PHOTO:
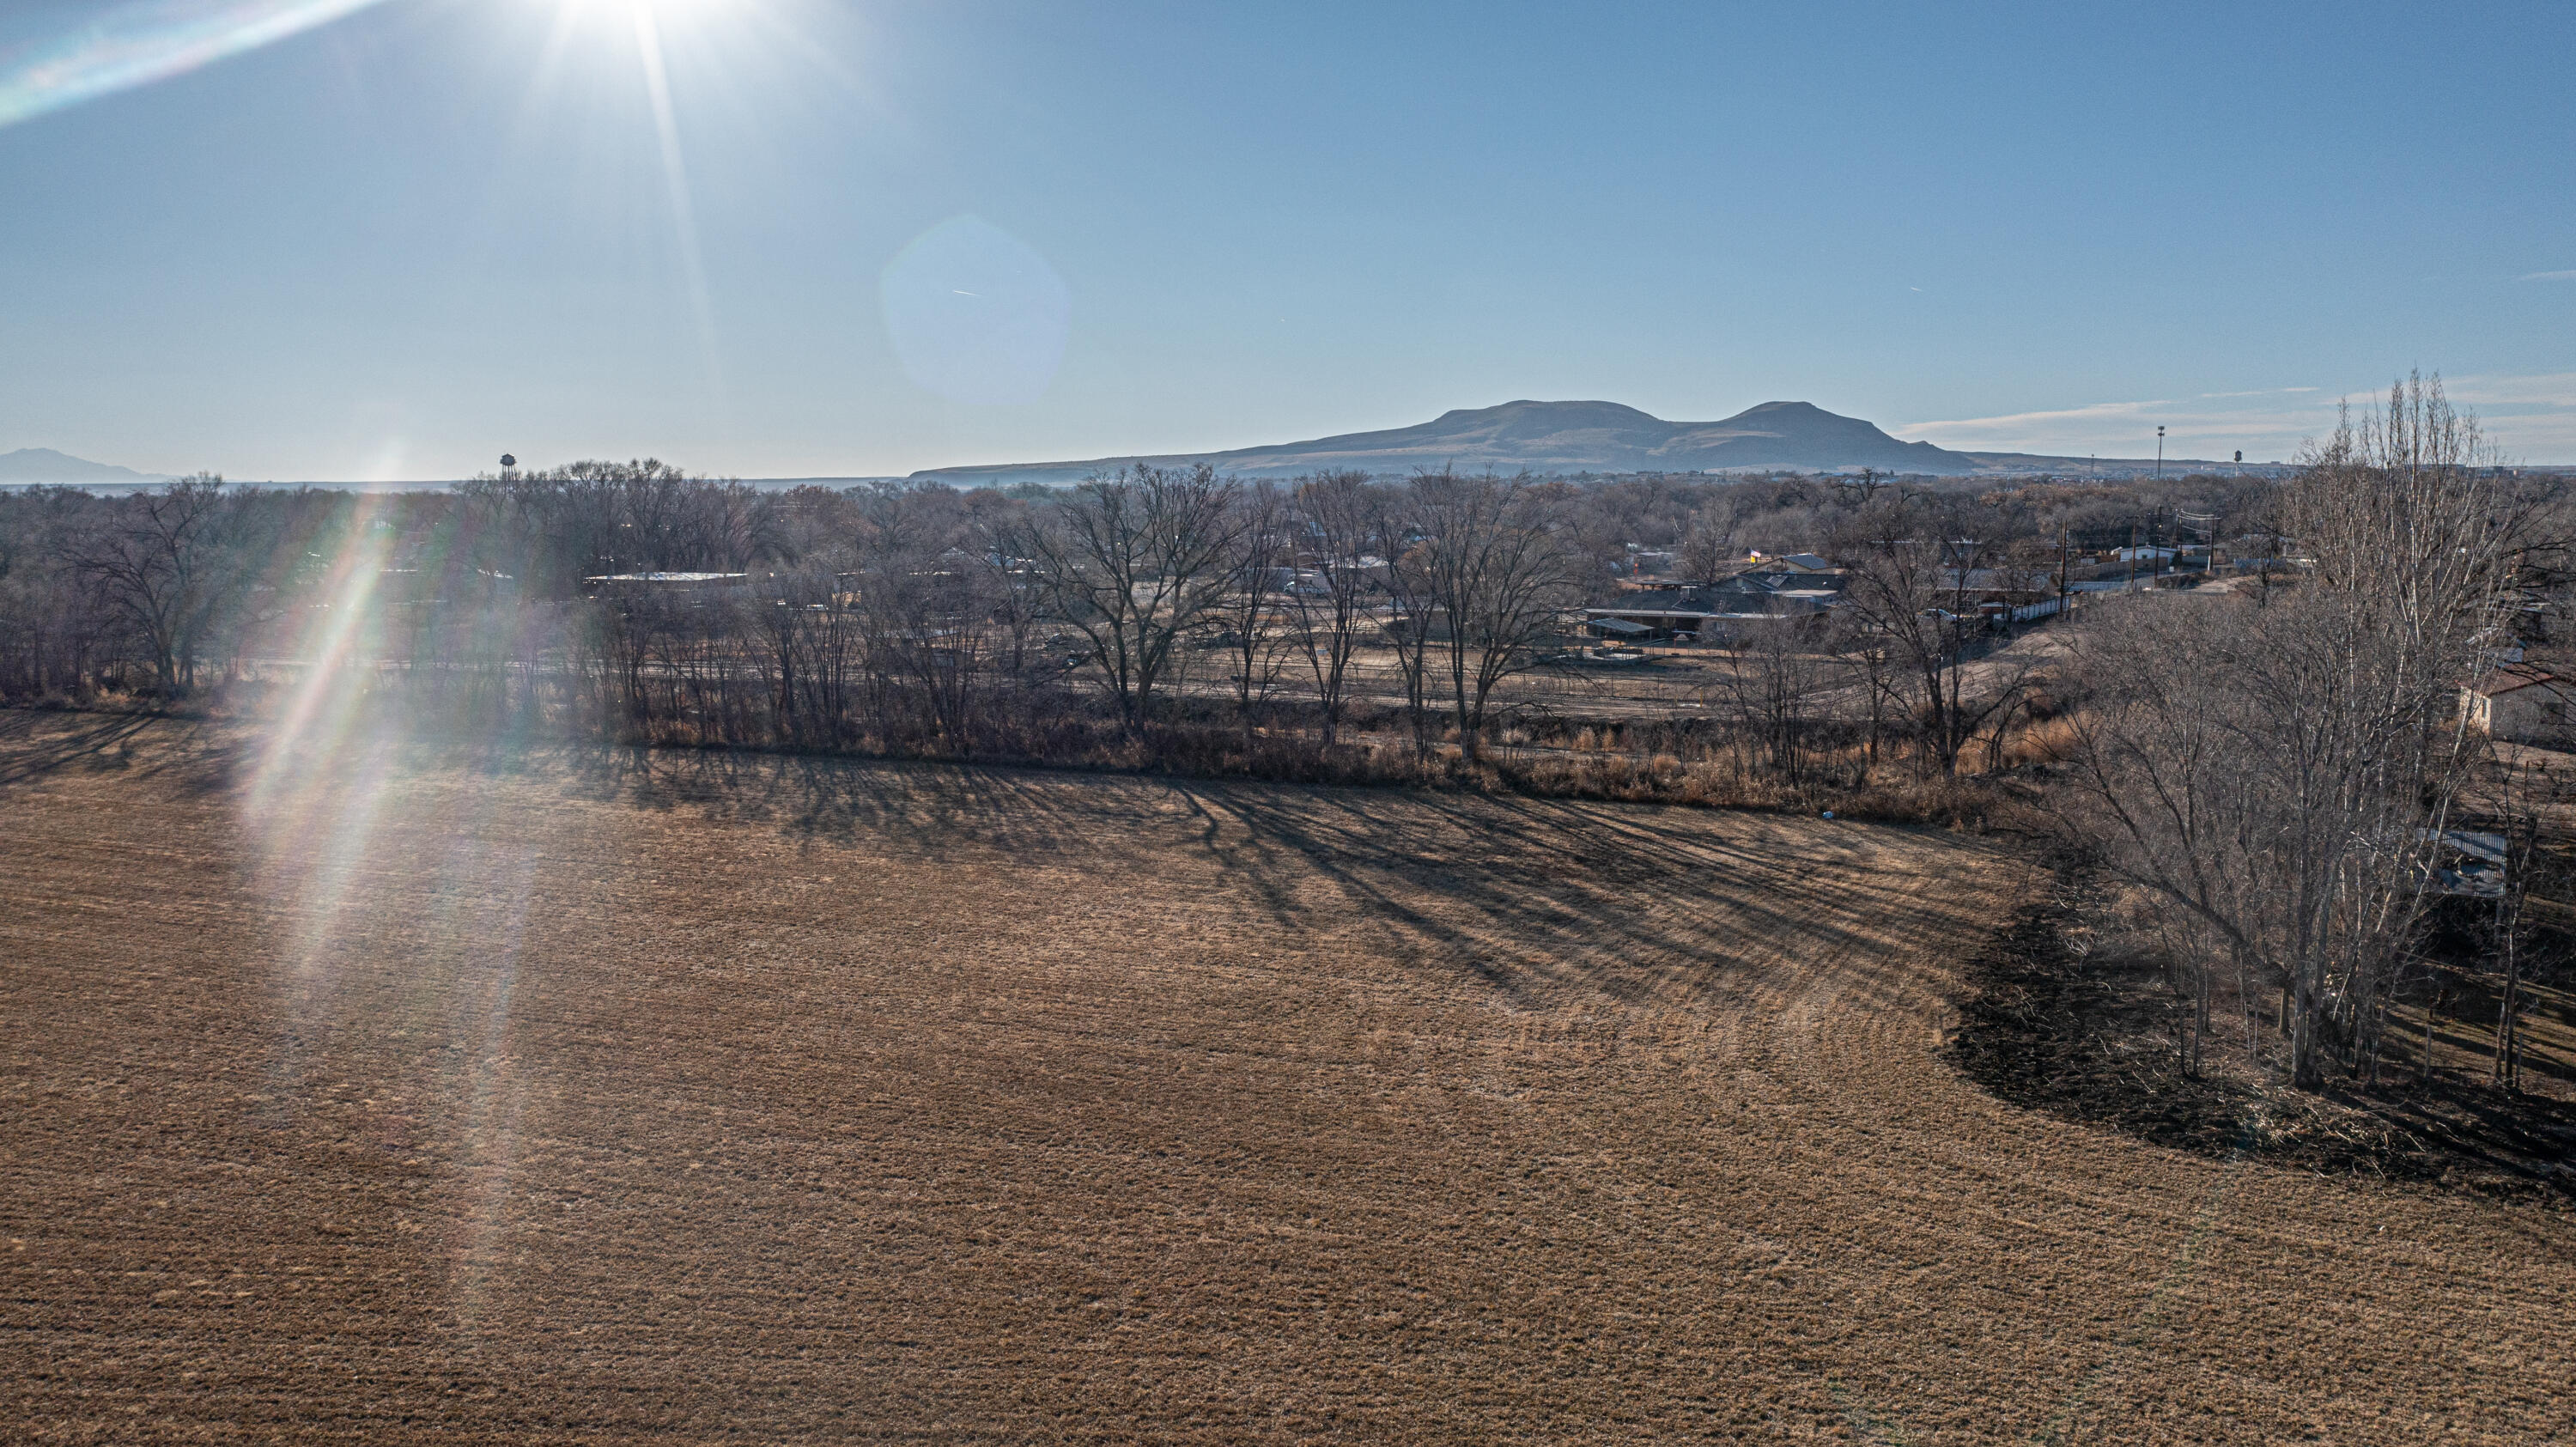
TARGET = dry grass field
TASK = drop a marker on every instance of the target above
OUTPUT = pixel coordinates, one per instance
(378, 1095)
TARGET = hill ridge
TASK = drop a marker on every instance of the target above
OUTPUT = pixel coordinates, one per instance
(44, 464)
(1527, 434)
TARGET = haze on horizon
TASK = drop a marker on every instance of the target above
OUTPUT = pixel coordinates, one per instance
(345, 240)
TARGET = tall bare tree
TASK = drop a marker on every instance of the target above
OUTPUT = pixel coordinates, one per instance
(1134, 562)
(1332, 511)
(1502, 579)
(1916, 568)
(1414, 619)
(2277, 772)
(158, 563)
(1262, 550)
(1714, 537)
(1770, 682)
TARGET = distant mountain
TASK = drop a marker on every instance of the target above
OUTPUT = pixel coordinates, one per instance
(1563, 437)
(44, 464)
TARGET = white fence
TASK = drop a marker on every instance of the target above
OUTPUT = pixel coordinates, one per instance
(2043, 608)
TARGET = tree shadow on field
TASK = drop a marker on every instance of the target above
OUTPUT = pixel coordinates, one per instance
(2085, 1039)
(1530, 897)
(1533, 897)
(913, 809)
(36, 743)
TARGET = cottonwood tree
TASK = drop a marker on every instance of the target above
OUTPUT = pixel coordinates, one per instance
(941, 646)
(50, 636)
(1495, 566)
(1713, 539)
(2522, 791)
(1333, 511)
(1263, 547)
(1134, 562)
(1414, 619)
(808, 647)
(555, 528)
(1858, 493)
(157, 562)
(1915, 569)
(2275, 771)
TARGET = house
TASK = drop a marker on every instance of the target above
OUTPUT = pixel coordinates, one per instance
(1821, 589)
(2012, 587)
(1618, 629)
(1711, 613)
(1789, 563)
(2522, 704)
(634, 582)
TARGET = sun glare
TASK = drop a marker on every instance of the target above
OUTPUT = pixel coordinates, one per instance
(653, 10)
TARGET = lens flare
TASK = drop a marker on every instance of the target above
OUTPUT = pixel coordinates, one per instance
(135, 45)
(976, 314)
(332, 769)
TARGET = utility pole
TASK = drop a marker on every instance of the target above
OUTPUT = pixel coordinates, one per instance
(2061, 565)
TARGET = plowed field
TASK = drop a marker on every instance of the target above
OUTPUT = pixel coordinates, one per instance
(390, 1098)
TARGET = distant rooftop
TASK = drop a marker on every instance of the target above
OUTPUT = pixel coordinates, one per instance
(665, 577)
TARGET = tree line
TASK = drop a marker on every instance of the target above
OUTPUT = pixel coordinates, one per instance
(907, 617)
(926, 619)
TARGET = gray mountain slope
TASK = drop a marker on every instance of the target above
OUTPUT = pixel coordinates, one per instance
(44, 464)
(1548, 437)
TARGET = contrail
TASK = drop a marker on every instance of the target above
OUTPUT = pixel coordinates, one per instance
(137, 44)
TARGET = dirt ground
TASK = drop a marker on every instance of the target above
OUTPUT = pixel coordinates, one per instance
(369, 1094)
(2076, 1014)
(1676, 682)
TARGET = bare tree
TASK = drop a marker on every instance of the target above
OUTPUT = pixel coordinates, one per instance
(1857, 493)
(157, 563)
(2522, 788)
(1134, 562)
(50, 635)
(1414, 620)
(1914, 580)
(2278, 772)
(1501, 578)
(1769, 682)
(1261, 551)
(1712, 541)
(1329, 605)
(807, 643)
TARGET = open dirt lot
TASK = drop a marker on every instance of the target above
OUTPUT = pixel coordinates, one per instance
(380, 1096)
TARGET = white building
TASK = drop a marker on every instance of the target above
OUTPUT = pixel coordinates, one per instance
(2522, 705)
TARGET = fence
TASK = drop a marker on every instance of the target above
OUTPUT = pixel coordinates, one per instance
(2043, 608)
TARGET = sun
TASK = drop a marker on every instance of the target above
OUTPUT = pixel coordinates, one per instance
(651, 11)
(648, 24)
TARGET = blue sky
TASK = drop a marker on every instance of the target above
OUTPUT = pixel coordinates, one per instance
(395, 239)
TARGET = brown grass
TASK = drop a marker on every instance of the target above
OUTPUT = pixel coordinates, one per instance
(752, 1098)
